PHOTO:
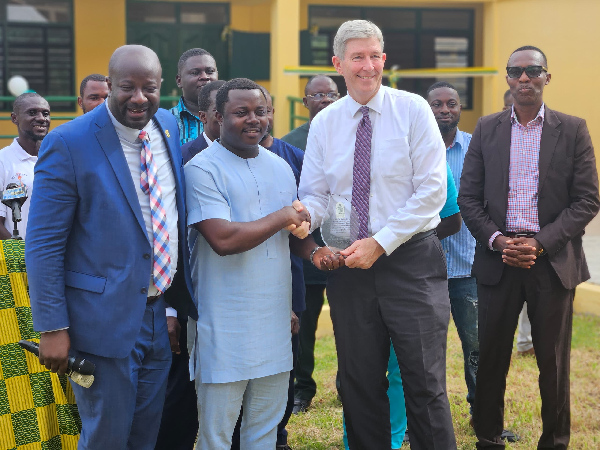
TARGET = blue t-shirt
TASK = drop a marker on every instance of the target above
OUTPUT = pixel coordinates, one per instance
(451, 206)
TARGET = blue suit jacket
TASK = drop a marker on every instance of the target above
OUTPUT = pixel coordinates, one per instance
(191, 149)
(87, 251)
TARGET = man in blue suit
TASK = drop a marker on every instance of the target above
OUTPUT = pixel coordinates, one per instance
(106, 239)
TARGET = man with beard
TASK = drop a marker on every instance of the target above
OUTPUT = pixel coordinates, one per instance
(243, 203)
(93, 91)
(294, 157)
(460, 247)
(320, 92)
(528, 189)
(195, 69)
(106, 239)
(31, 115)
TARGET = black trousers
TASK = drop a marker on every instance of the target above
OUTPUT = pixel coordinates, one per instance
(179, 424)
(403, 297)
(306, 387)
(281, 431)
(550, 311)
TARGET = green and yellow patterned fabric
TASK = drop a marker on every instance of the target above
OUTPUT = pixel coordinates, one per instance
(37, 407)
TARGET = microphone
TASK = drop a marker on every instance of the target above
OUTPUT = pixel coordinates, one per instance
(14, 196)
(80, 370)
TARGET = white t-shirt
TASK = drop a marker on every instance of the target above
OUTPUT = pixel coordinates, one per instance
(16, 166)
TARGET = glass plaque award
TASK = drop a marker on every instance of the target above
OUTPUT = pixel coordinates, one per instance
(339, 228)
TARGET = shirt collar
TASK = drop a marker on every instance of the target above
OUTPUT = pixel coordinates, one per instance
(20, 151)
(376, 103)
(131, 135)
(458, 139)
(539, 117)
(181, 108)
(206, 138)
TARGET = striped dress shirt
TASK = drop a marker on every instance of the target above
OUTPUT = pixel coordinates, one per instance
(460, 247)
(523, 176)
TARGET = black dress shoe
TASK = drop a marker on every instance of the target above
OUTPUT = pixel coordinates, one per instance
(509, 436)
(406, 436)
(283, 447)
(300, 406)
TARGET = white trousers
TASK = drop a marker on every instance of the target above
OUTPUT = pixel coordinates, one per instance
(524, 340)
(264, 401)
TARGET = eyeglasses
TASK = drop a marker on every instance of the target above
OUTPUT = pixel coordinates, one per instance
(320, 96)
(530, 71)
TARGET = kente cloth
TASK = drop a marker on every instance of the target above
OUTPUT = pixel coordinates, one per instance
(37, 407)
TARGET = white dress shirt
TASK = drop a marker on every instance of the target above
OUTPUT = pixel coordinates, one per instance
(132, 148)
(16, 166)
(206, 138)
(408, 164)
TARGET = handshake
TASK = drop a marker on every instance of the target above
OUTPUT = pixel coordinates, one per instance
(298, 219)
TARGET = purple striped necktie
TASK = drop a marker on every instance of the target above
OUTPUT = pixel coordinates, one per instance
(361, 181)
(161, 269)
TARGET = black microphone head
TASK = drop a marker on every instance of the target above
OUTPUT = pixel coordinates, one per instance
(82, 366)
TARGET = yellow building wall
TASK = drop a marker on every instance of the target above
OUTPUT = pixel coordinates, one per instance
(568, 34)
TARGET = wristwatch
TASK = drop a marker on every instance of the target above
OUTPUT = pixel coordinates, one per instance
(312, 254)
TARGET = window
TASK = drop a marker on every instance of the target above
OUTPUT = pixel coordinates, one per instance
(413, 37)
(37, 43)
(176, 27)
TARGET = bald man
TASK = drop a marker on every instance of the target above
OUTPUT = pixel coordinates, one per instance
(106, 250)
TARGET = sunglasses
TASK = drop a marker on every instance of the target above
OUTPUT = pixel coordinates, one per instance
(321, 96)
(530, 71)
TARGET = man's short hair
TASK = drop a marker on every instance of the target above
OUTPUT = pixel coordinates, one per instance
(440, 84)
(314, 77)
(535, 49)
(19, 102)
(354, 29)
(92, 77)
(189, 54)
(233, 85)
(204, 96)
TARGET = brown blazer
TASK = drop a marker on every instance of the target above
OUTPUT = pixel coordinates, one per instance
(568, 192)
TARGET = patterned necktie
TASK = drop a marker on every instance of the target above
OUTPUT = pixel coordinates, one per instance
(361, 181)
(161, 270)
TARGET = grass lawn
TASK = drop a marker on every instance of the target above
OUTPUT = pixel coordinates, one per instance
(321, 427)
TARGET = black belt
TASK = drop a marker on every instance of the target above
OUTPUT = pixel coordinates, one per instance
(421, 235)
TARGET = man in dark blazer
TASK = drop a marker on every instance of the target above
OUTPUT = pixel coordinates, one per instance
(207, 104)
(106, 246)
(528, 189)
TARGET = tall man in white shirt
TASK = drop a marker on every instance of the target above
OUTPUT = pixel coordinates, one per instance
(31, 115)
(383, 148)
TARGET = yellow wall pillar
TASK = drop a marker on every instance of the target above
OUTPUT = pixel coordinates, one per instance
(98, 30)
(491, 87)
(285, 51)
